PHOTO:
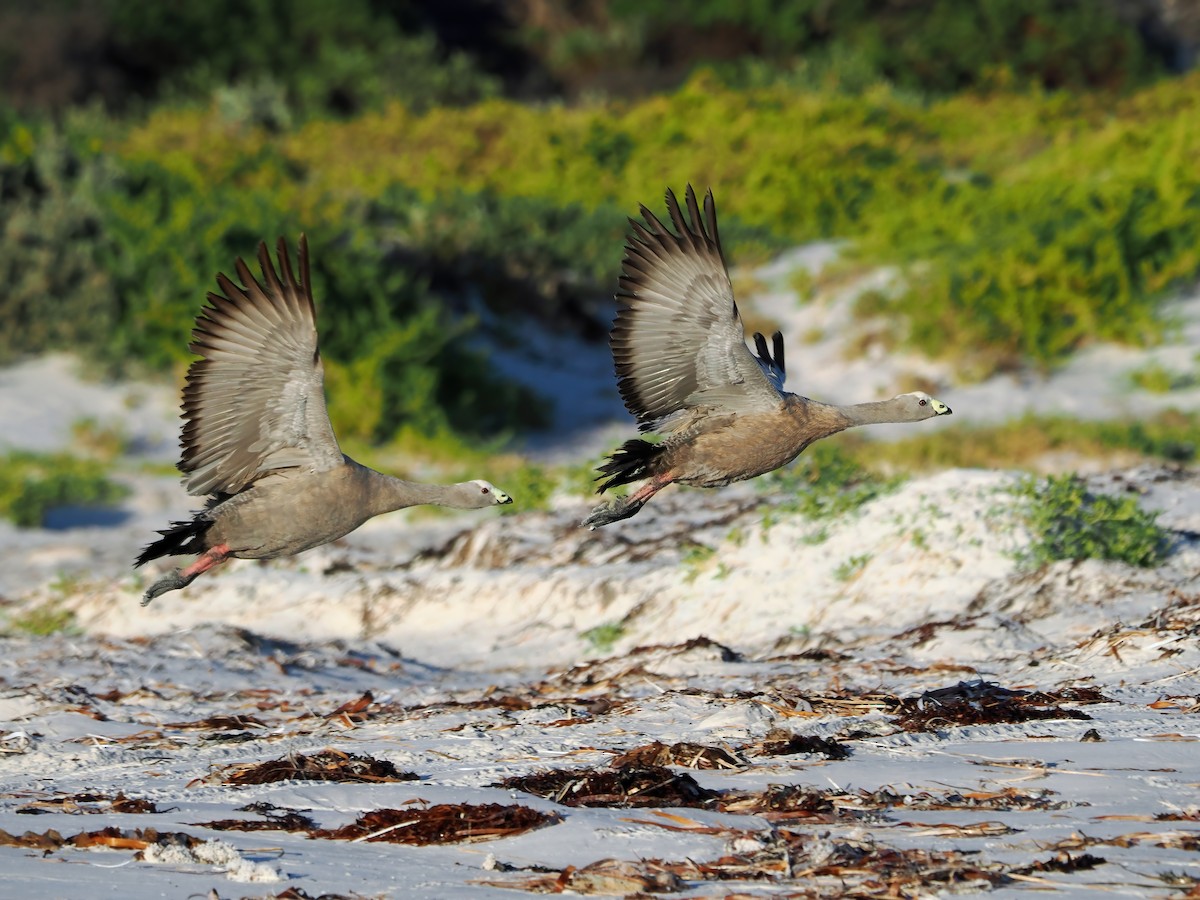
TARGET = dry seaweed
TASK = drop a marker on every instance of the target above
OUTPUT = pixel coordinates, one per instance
(328, 765)
(782, 742)
(287, 821)
(684, 753)
(219, 723)
(606, 877)
(978, 703)
(446, 823)
(629, 787)
(84, 803)
(113, 838)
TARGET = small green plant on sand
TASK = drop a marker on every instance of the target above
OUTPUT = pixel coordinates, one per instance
(695, 558)
(851, 567)
(826, 482)
(603, 637)
(1158, 379)
(1068, 521)
(48, 617)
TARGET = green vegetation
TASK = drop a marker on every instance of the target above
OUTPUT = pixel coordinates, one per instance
(1159, 380)
(824, 483)
(1070, 522)
(1032, 223)
(32, 484)
(983, 149)
(1172, 435)
(49, 617)
(604, 637)
(851, 567)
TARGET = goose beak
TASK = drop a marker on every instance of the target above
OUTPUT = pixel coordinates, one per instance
(503, 498)
(940, 408)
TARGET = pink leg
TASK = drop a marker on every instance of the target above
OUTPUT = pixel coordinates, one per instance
(623, 509)
(205, 561)
(177, 578)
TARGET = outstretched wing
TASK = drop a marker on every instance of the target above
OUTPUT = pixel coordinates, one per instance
(678, 342)
(255, 402)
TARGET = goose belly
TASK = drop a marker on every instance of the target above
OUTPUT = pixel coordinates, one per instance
(270, 523)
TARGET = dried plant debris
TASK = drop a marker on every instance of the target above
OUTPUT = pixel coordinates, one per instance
(684, 753)
(111, 838)
(328, 765)
(276, 820)
(782, 742)
(827, 867)
(786, 802)
(220, 723)
(978, 703)
(625, 788)
(1062, 862)
(79, 804)
(445, 823)
(607, 877)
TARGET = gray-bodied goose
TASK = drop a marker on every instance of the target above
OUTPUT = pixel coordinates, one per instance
(684, 370)
(257, 440)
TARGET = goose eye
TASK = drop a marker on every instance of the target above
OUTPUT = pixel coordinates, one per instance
(488, 490)
(922, 402)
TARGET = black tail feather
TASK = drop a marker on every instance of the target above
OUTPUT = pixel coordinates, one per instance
(629, 462)
(179, 539)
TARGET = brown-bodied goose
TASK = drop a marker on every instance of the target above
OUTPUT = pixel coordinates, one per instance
(257, 440)
(684, 370)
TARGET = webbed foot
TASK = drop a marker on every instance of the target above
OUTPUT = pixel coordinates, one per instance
(172, 581)
(612, 512)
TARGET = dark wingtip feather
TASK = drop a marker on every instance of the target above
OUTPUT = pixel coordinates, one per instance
(760, 345)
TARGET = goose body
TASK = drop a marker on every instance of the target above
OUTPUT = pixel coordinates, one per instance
(685, 372)
(257, 440)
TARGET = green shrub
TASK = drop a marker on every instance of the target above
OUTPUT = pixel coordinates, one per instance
(1159, 380)
(1067, 521)
(327, 58)
(33, 484)
(57, 294)
(49, 617)
(1024, 224)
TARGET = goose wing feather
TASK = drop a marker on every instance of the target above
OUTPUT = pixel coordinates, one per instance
(678, 342)
(255, 401)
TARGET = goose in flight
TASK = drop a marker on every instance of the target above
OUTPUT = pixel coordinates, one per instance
(257, 441)
(685, 372)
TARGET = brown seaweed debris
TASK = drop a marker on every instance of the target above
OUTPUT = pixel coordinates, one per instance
(977, 703)
(328, 765)
(608, 877)
(112, 838)
(632, 786)
(445, 823)
(76, 804)
(782, 742)
(284, 821)
(684, 753)
(219, 723)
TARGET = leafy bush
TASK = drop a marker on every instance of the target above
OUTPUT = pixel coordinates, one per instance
(1025, 225)
(338, 58)
(1070, 522)
(32, 484)
(56, 291)
(929, 45)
